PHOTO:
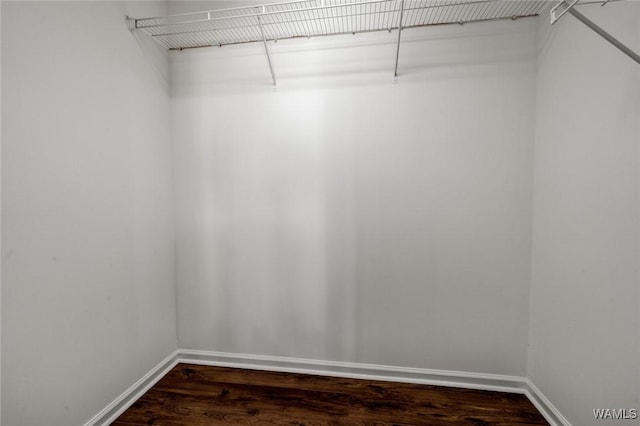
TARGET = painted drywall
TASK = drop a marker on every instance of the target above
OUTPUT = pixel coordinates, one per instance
(88, 301)
(340, 216)
(585, 320)
(0, 217)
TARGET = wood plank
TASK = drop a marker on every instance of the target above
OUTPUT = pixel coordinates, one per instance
(198, 395)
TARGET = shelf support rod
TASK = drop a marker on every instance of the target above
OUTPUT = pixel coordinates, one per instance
(589, 23)
(266, 50)
(611, 39)
(395, 71)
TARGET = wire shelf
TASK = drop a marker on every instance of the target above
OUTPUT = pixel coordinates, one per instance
(313, 18)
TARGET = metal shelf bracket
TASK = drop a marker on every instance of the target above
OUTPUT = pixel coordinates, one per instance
(395, 71)
(560, 9)
(266, 50)
(563, 7)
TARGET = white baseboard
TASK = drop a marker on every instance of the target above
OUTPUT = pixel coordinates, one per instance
(459, 379)
(131, 395)
(542, 403)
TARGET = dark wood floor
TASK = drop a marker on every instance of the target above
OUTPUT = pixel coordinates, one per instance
(197, 395)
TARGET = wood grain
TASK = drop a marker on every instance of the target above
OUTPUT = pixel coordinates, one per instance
(198, 395)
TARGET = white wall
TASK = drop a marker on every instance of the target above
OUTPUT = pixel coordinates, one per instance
(87, 246)
(337, 217)
(585, 320)
(0, 215)
(343, 217)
